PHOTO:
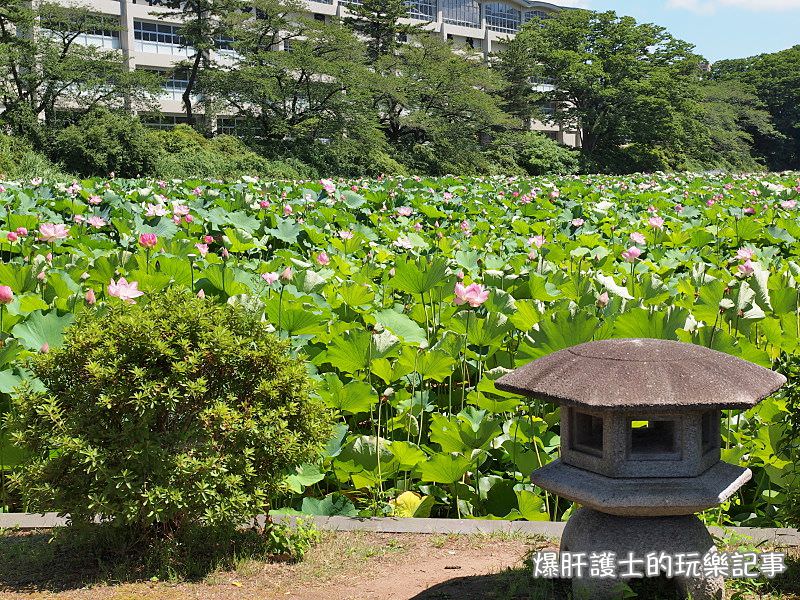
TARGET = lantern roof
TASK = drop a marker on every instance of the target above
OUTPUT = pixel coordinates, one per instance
(623, 374)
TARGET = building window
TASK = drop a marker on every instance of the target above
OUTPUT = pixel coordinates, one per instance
(422, 10)
(106, 35)
(160, 38)
(174, 83)
(587, 433)
(355, 2)
(652, 437)
(464, 13)
(534, 14)
(319, 17)
(502, 17)
(224, 44)
(163, 121)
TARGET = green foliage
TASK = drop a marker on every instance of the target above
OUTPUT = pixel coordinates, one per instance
(183, 153)
(160, 416)
(776, 80)
(532, 153)
(18, 160)
(104, 142)
(45, 73)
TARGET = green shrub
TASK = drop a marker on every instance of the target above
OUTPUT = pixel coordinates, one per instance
(164, 415)
(533, 154)
(18, 160)
(103, 142)
(183, 154)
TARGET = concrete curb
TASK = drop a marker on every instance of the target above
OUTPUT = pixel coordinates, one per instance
(754, 535)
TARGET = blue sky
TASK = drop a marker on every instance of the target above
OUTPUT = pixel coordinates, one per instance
(718, 28)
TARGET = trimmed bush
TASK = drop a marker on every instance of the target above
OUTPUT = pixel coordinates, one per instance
(162, 416)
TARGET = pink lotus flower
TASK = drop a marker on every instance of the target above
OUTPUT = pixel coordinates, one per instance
(323, 258)
(22, 232)
(474, 294)
(176, 219)
(328, 186)
(155, 210)
(602, 300)
(404, 211)
(747, 268)
(12, 236)
(417, 226)
(287, 274)
(124, 291)
(97, 222)
(201, 294)
(537, 240)
(656, 222)
(788, 204)
(95, 200)
(577, 222)
(637, 238)
(744, 254)
(555, 194)
(78, 219)
(208, 239)
(148, 240)
(197, 191)
(224, 253)
(465, 226)
(287, 210)
(679, 208)
(264, 204)
(202, 249)
(188, 218)
(44, 348)
(631, 254)
(51, 232)
(179, 210)
(346, 235)
(36, 181)
(270, 278)
(90, 297)
(6, 294)
(749, 210)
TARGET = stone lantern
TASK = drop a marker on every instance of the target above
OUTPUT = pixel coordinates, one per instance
(640, 446)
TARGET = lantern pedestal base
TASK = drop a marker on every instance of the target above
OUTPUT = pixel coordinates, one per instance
(589, 531)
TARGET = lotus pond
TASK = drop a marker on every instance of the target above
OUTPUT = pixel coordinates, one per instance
(410, 296)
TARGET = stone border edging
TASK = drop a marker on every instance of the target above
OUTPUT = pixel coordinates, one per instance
(776, 536)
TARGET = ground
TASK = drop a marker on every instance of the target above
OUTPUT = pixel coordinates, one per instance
(343, 566)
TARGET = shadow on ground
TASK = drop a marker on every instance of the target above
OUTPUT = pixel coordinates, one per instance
(31, 563)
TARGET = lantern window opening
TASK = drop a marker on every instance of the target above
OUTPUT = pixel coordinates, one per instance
(650, 437)
(587, 433)
(710, 431)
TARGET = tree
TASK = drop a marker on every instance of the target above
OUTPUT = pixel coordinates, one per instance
(203, 30)
(447, 106)
(44, 66)
(619, 83)
(733, 118)
(776, 80)
(379, 21)
(310, 93)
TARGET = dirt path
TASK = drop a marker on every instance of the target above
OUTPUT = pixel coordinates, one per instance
(344, 566)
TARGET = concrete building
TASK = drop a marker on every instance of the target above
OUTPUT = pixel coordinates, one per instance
(152, 42)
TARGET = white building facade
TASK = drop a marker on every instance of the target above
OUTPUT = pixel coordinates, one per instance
(151, 42)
